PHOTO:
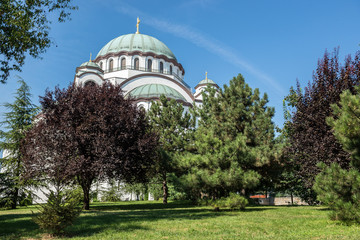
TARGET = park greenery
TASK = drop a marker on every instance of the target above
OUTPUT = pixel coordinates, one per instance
(183, 220)
(310, 139)
(17, 121)
(24, 28)
(175, 130)
(337, 187)
(88, 133)
(217, 154)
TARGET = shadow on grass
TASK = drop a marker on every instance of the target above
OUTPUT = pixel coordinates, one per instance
(139, 205)
(16, 226)
(325, 209)
(114, 217)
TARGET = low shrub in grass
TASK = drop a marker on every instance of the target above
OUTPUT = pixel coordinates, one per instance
(111, 195)
(340, 190)
(60, 211)
(233, 201)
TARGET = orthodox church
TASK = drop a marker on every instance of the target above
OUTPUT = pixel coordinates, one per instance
(144, 67)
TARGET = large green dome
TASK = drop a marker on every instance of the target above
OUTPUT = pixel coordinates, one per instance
(155, 90)
(136, 42)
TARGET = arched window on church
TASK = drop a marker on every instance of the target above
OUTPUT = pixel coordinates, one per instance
(161, 67)
(149, 65)
(89, 84)
(123, 63)
(111, 65)
(170, 69)
(101, 65)
(136, 64)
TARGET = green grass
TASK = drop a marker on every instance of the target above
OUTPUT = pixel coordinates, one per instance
(179, 220)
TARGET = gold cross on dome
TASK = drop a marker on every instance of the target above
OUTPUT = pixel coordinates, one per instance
(137, 26)
(206, 75)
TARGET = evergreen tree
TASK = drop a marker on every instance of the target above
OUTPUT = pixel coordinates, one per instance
(17, 121)
(233, 143)
(346, 124)
(336, 187)
(174, 127)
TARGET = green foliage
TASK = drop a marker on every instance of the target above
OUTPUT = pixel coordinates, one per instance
(181, 220)
(233, 201)
(340, 190)
(310, 139)
(24, 27)
(346, 124)
(175, 128)
(155, 189)
(139, 189)
(17, 121)
(113, 194)
(60, 211)
(234, 142)
(6, 190)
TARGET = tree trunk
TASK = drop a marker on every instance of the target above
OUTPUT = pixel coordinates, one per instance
(15, 198)
(86, 205)
(292, 198)
(243, 192)
(165, 189)
(85, 184)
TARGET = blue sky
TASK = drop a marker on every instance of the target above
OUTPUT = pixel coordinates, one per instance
(271, 43)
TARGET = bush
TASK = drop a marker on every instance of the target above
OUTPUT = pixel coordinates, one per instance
(111, 195)
(60, 211)
(234, 202)
(339, 189)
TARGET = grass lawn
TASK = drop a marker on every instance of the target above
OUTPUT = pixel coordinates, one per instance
(179, 220)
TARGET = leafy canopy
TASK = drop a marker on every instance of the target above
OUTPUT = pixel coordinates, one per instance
(24, 29)
(89, 133)
(311, 139)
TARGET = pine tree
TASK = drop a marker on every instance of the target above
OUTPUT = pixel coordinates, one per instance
(174, 128)
(233, 142)
(337, 187)
(17, 121)
(346, 125)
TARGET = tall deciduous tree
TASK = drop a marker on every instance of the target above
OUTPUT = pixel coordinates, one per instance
(311, 139)
(17, 121)
(89, 133)
(233, 142)
(24, 29)
(174, 127)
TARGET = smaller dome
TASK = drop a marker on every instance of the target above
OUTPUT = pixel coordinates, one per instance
(155, 90)
(206, 81)
(89, 64)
